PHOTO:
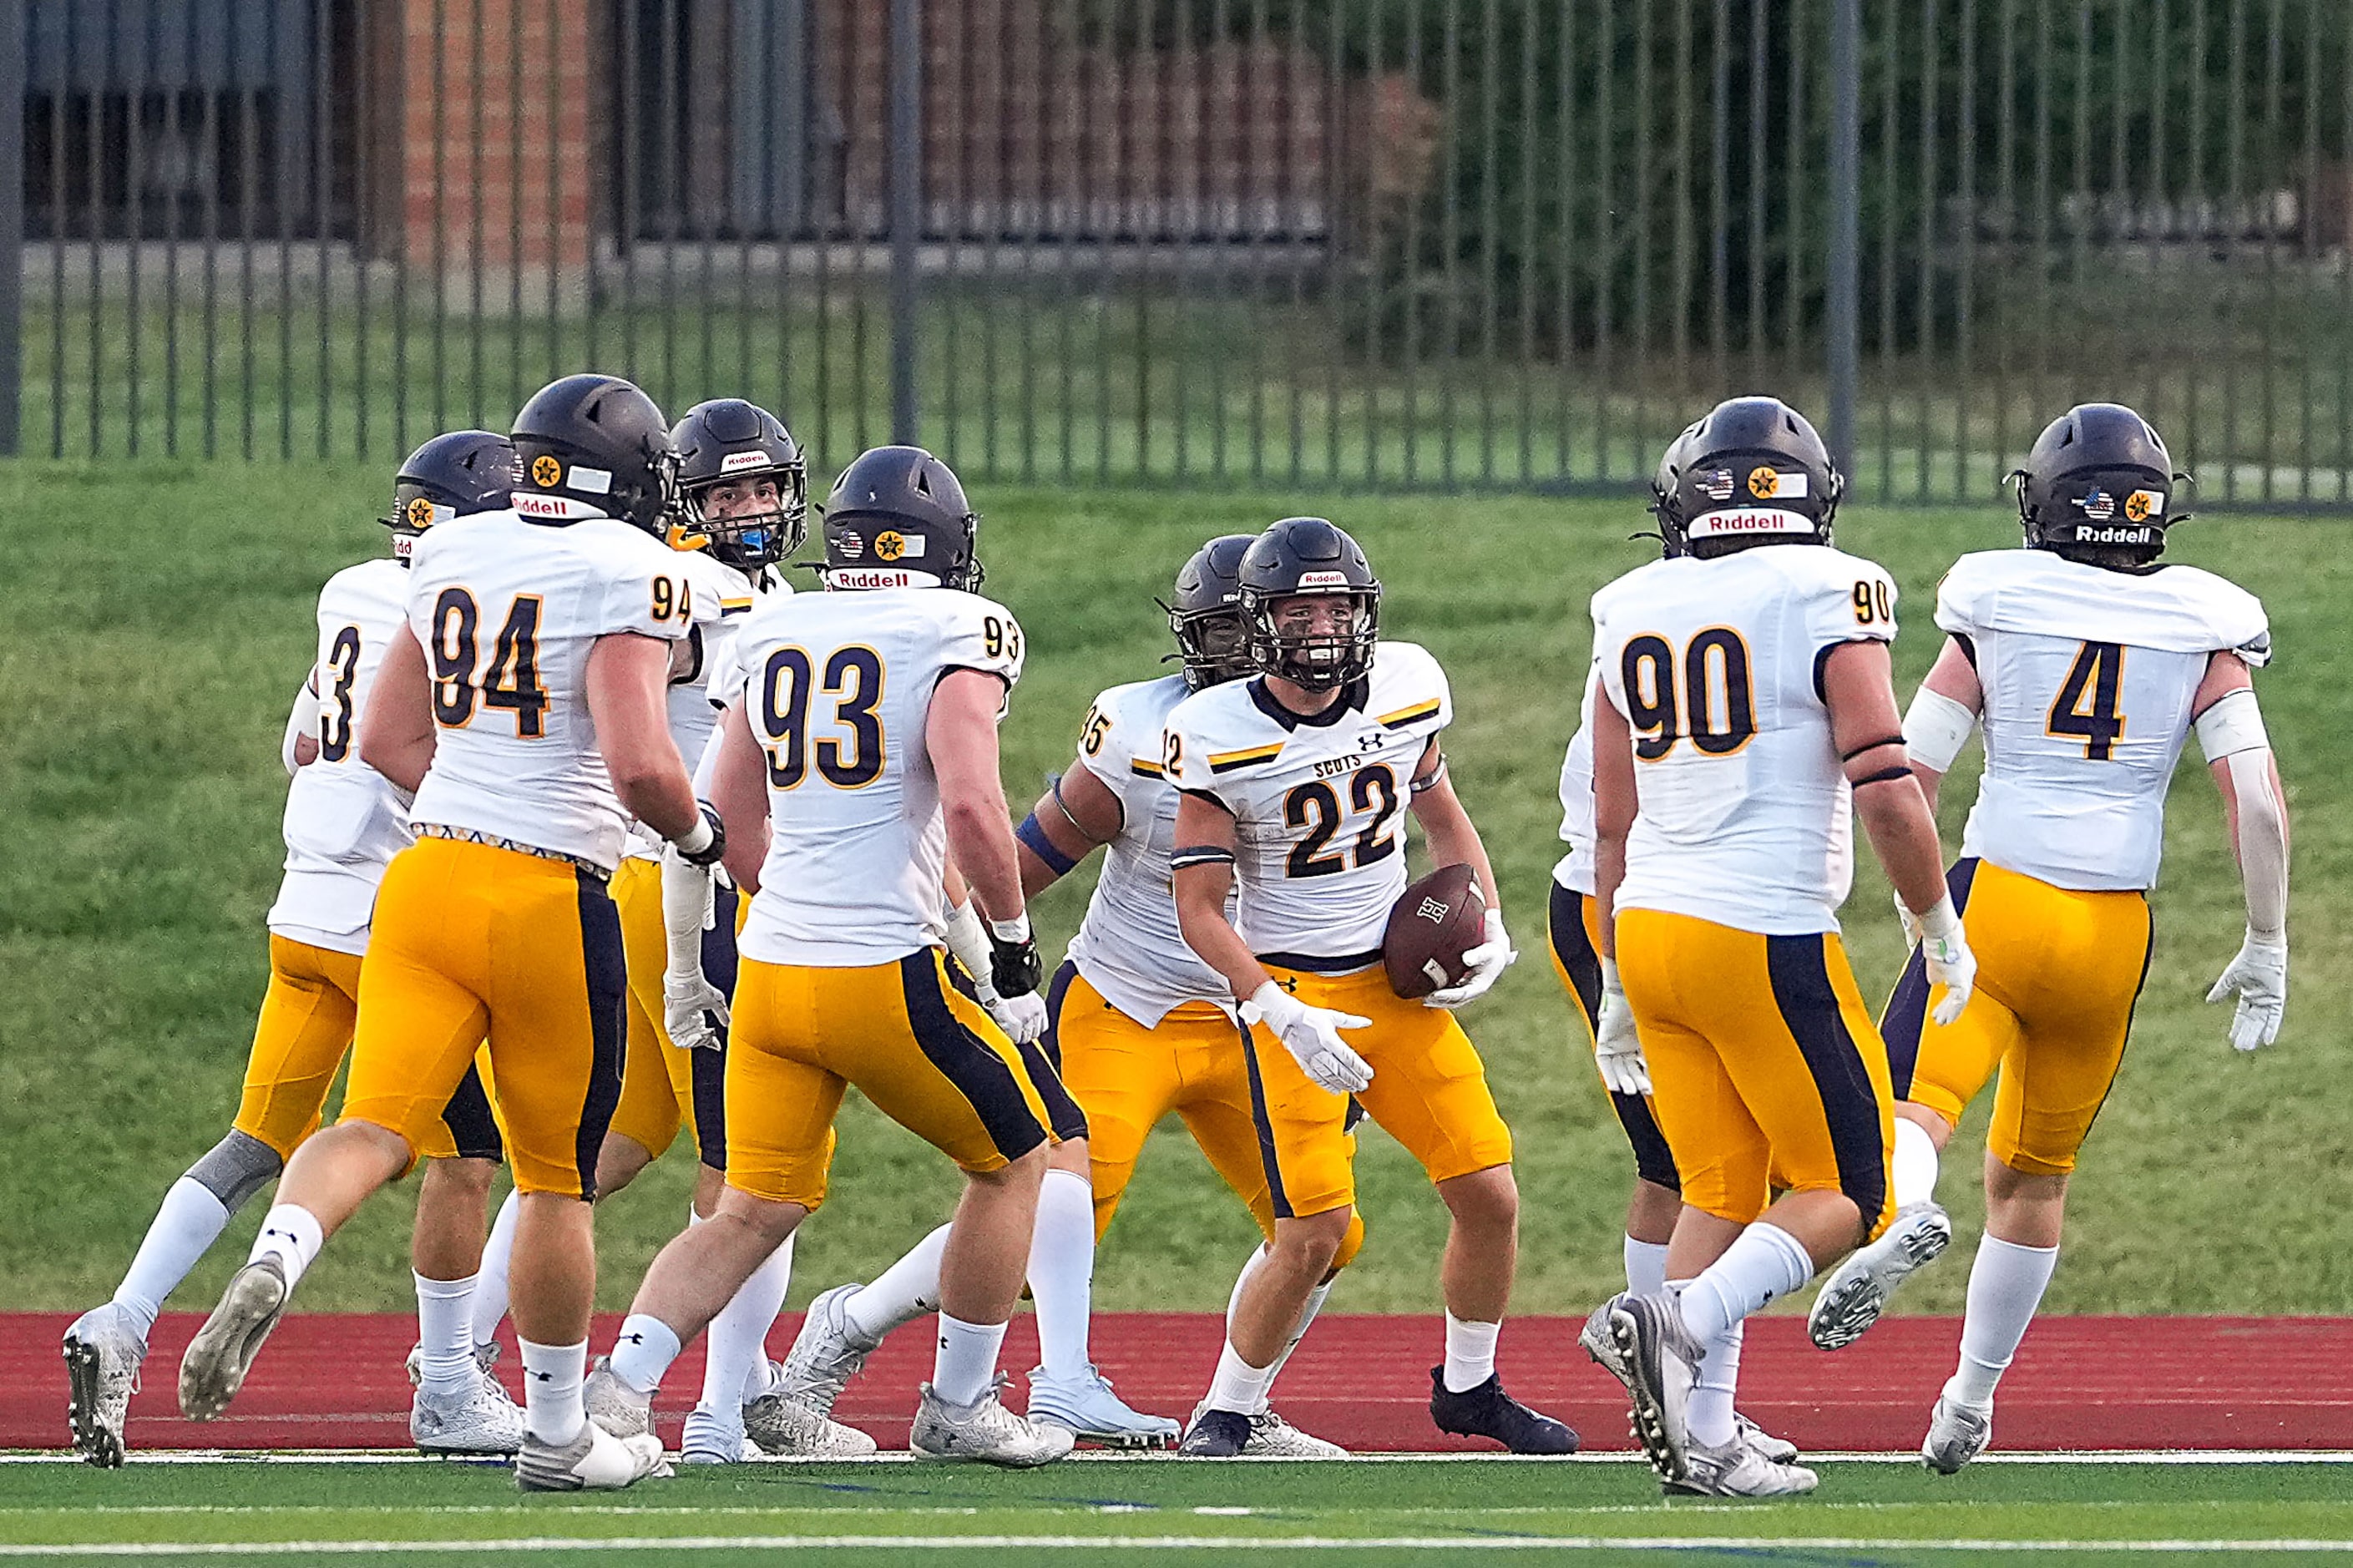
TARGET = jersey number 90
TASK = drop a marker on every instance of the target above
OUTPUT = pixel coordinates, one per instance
(852, 679)
(1713, 702)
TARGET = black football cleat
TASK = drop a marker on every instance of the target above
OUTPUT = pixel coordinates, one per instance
(1216, 1434)
(1487, 1411)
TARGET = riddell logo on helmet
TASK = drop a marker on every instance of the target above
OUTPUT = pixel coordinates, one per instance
(736, 462)
(1747, 519)
(874, 577)
(1323, 579)
(2087, 535)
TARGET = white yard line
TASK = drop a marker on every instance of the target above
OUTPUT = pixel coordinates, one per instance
(1120, 1456)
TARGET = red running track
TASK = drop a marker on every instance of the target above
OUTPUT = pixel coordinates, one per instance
(334, 1381)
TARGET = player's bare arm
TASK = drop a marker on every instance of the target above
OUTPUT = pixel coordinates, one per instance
(397, 732)
(1077, 815)
(1942, 714)
(1454, 840)
(627, 677)
(2230, 729)
(739, 793)
(1859, 690)
(1203, 878)
(1614, 809)
(961, 734)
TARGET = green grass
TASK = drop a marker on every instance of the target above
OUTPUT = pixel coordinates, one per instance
(154, 620)
(1380, 1514)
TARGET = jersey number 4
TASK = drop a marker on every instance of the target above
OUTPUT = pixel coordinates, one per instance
(510, 681)
(853, 680)
(2086, 707)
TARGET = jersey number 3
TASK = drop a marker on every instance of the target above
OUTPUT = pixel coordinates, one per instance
(853, 680)
(2086, 708)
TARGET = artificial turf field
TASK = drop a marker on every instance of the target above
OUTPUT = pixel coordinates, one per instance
(1161, 1511)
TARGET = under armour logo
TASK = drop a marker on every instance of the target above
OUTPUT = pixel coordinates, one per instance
(1368, 742)
(633, 1339)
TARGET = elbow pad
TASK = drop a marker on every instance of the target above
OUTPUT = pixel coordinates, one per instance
(1936, 729)
(2230, 726)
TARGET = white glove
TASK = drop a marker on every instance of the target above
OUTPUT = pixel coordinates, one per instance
(1487, 961)
(1312, 1034)
(1023, 1018)
(1950, 962)
(694, 1011)
(1617, 1049)
(2259, 976)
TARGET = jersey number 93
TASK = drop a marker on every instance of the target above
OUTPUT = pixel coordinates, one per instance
(850, 681)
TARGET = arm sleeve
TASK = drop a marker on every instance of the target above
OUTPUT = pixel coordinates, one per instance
(982, 636)
(1107, 745)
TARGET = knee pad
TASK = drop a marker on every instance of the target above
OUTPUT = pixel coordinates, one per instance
(236, 1168)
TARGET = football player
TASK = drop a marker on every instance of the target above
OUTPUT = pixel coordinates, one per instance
(2089, 663)
(523, 701)
(1744, 676)
(1293, 785)
(343, 822)
(858, 761)
(1573, 923)
(1138, 1028)
(743, 492)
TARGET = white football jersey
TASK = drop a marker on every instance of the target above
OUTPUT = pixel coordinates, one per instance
(1318, 803)
(1130, 946)
(2088, 678)
(345, 821)
(837, 687)
(1574, 869)
(723, 599)
(507, 611)
(1743, 807)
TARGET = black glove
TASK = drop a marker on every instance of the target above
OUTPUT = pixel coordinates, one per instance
(709, 854)
(1014, 967)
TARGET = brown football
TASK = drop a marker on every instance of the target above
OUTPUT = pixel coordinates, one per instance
(1433, 924)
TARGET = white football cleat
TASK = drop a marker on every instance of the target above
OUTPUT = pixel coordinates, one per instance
(986, 1431)
(1857, 1290)
(1737, 1470)
(1094, 1414)
(712, 1439)
(1957, 1435)
(595, 1461)
(1775, 1450)
(1661, 1362)
(826, 1354)
(103, 1356)
(218, 1358)
(487, 1421)
(780, 1427)
(614, 1405)
(1273, 1437)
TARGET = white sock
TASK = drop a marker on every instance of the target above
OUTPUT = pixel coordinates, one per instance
(965, 1368)
(2006, 1285)
(1646, 1266)
(293, 1236)
(902, 1292)
(552, 1375)
(1251, 1266)
(444, 1337)
(1469, 1353)
(736, 1345)
(491, 1284)
(1710, 1408)
(643, 1353)
(1062, 1272)
(1238, 1385)
(1764, 1261)
(1315, 1300)
(189, 1221)
(1915, 1166)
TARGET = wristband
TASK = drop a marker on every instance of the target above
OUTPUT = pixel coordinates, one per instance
(1011, 932)
(1885, 775)
(705, 841)
(1940, 919)
(1200, 855)
(1033, 833)
(1936, 729)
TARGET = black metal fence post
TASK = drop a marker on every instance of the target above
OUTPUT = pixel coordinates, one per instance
(1842, 313)
(906, 207)
(12, 223)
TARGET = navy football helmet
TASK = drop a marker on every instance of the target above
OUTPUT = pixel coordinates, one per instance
(897, 519)
(725, 441)
(1751, 471)
(596, 445)
(2099, 487)
(1310, 555)
(1212, 634)
(453, 475)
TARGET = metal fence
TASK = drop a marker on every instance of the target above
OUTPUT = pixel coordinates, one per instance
(1395, 243)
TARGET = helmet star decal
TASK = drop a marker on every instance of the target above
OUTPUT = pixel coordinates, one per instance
(546, 472)
(889, 545)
